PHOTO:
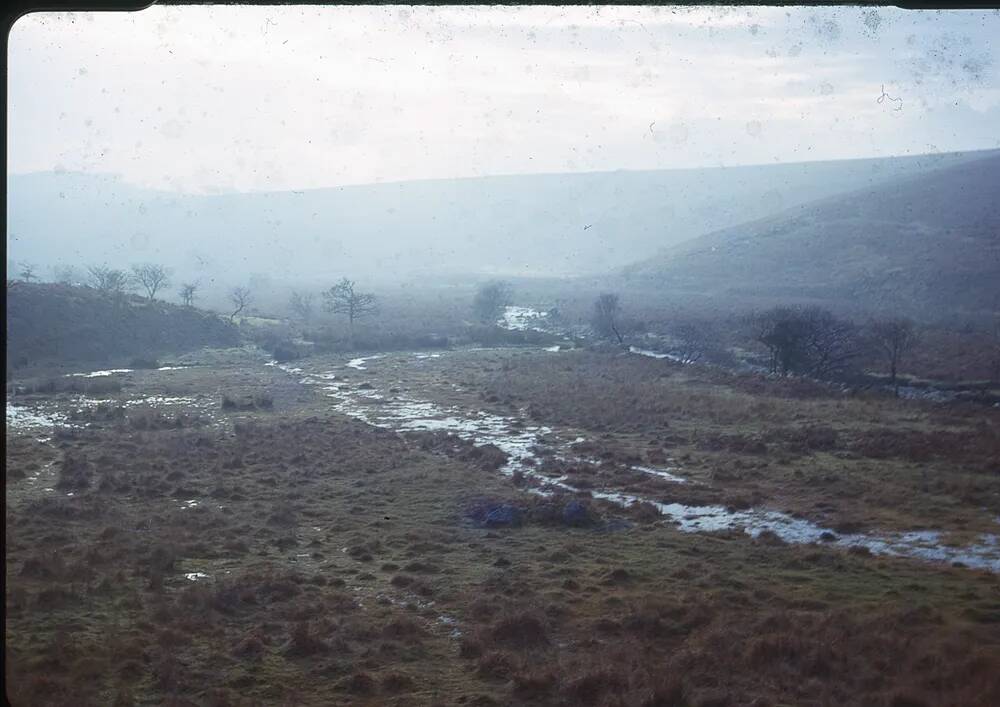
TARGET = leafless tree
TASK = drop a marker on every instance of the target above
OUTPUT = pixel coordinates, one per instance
(893, 338)
(241, 298)
(187, 293)
(343, 298)
(832, 344)
(604, 320)
(301, 304)
(809, 340)
(779, 331)
(109, 280)
(152, 277)
(491, 299)
(694, 339)
(28, 272)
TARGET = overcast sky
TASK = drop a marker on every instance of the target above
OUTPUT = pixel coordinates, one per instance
(205, 99)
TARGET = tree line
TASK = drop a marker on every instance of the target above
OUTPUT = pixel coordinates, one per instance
(800, 340)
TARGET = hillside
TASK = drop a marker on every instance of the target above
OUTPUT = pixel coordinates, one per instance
(59, 324)
(929, 243)
(552, 224)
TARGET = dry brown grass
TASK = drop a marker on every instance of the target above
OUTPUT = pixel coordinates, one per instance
(334, 552)
(789, 444)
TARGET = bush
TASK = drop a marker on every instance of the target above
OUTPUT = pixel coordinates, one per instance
(257, 401)
(283, 353)
(520, 630)
(144, 363)
(74, 473)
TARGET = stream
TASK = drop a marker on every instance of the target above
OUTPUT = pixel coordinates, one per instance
(520, 441)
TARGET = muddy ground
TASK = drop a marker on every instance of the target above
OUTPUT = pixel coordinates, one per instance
(426, 528)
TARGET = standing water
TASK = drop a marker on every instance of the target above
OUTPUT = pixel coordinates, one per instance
(521, 442)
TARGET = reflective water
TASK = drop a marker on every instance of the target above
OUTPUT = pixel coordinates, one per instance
(523, 318)
(99, 374)
(22, 418)
(521, 441)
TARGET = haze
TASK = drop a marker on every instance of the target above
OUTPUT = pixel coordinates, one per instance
(208, 99)
(549, 356)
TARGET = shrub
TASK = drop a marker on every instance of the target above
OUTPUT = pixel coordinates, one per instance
(397, 682)
(359, 683)
(520, 630)
(74, 474)
(304, 642)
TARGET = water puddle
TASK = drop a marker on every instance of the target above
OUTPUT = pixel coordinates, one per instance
(82, 402)
(523, 318)
(359, 363)
(662, 473)
(157, 400)
(654, 354)
(20, 418)
(521, 442)
(99, 374)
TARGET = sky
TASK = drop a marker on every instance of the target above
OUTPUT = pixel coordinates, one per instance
(204, 99)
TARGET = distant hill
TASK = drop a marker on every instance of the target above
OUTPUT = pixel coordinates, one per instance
(554, 224)
(59, 324)
(925, 244)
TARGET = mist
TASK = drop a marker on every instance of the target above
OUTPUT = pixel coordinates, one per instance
(544, 356)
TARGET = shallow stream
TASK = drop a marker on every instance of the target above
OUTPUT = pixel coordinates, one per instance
(522, 441)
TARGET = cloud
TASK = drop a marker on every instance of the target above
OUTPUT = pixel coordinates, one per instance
(243, 97)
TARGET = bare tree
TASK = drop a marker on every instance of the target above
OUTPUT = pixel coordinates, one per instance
(28, 272)
(109, 280)
(491, 299)
(342, 298)
(152, 277)
(893, 338)
(775, 329)
(809, 340)
(831, 344)
(187, 293)
(604, 320)
(241, 298)
(301, 304)
(694, 339)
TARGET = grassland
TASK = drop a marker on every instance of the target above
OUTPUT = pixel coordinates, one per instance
(285, 554)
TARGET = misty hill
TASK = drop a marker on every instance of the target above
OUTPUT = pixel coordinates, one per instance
(556, 224)
(55, 324)
(927, 244)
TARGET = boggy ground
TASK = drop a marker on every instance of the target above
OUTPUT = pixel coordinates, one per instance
(289, 555)
(849, 462)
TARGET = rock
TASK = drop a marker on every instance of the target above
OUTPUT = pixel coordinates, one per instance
(576, 514)
(502, 515)
(489, 513)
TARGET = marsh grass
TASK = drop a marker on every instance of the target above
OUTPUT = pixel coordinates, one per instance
(328, 555)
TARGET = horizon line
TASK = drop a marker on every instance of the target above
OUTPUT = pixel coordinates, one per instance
(117, 176)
